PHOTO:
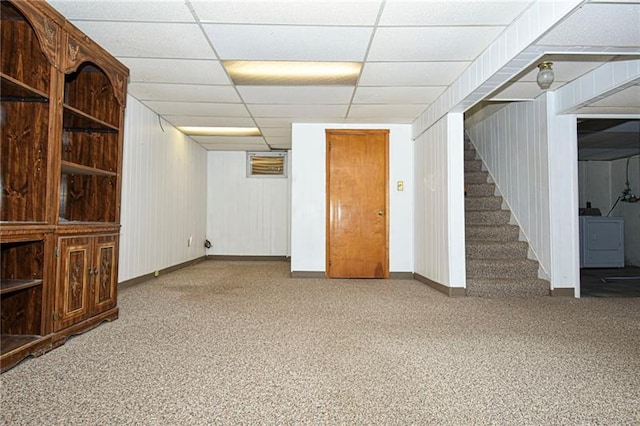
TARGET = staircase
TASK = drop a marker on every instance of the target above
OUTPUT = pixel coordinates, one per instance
(497, 263)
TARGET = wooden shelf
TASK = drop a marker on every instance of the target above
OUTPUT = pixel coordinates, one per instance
(79, 121)
(15, 90)
(15, 341)
(12, 285)
(70, 168)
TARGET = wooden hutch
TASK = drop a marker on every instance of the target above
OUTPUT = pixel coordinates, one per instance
(61, 121)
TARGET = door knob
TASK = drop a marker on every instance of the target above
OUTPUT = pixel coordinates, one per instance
(380, 212)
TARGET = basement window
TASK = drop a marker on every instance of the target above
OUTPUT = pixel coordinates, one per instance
(266, 164)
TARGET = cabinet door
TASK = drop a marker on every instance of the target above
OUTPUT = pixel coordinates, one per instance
(105, 273)
(72, 289)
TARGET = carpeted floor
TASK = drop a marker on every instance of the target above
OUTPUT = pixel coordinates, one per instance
(242, 343)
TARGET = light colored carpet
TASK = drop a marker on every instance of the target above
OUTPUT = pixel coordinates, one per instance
(242, 343)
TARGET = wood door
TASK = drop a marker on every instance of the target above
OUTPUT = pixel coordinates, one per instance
(104, 273)
(357, 204)
(72, 289)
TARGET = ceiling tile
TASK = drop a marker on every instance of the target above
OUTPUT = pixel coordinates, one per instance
(271, 42)
(176, 71)
(426, 13)
(148, 40)
(382, 111)
(270, 122)
(419, 48)
(397, 95)
(289, 12)
(598, 25)
(228, 140)
(430, 43)
(277, 131)
(194, 120)
(297, 111)
(235, 147)
(295, 94)
(183, 92)
(198, 108)
(279, 141)
(149, 10)
(377, 120)
(411, 73)
(267, 122)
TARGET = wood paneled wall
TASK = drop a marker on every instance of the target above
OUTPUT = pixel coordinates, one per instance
(247, 216)
(439, 202)
(163, 195)
(513, 144)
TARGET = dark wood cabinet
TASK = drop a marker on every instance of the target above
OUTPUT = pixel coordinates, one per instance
(87, 280)
(61, 121)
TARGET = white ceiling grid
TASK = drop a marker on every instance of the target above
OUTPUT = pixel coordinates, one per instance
(410, 50)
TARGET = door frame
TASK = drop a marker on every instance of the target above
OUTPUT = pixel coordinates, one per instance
(328, 133)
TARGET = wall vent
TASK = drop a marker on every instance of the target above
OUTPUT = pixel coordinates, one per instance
(266, 164)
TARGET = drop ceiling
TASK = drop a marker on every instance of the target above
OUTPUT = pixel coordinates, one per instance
(410, 50)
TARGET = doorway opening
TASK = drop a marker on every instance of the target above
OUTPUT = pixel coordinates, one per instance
(609, 191)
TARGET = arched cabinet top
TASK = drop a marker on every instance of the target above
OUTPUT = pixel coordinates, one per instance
(46, 24)
(78, 49)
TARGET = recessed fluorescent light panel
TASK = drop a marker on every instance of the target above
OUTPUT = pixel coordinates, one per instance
(220, 131)
(283, 73)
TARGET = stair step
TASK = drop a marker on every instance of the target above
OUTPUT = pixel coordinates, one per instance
(472, 165)
(496, 250)
(492, 232)
(487, 217)
(504, 287)
(480, 189)
(475, 177)
(482, 203)
(502, 268)
(497, 264)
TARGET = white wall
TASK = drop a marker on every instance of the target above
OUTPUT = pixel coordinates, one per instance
(602, 182)
(245, 216)
(308, 195)
(163, 195)
(439, 202)
(595, 185)
(562, 146)
(513, 144)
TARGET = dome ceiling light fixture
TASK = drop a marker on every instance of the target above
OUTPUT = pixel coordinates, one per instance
(545, 75)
